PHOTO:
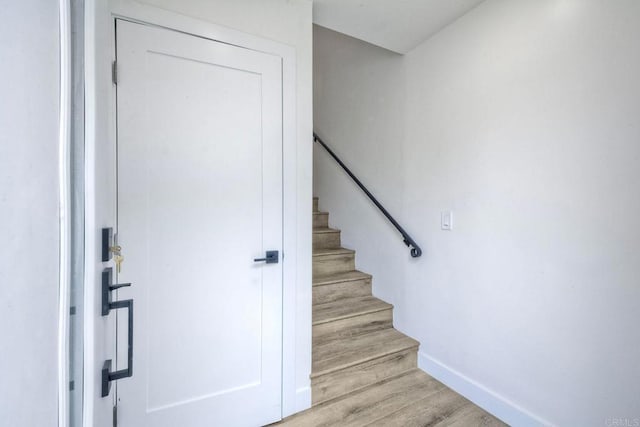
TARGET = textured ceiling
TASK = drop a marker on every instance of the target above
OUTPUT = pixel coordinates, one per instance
(397, 25)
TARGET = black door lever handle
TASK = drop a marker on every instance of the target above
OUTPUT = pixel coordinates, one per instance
(272, 257)
(118, 286)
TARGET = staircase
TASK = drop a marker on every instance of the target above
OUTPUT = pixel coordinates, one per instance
(364, 372)
(354, 343)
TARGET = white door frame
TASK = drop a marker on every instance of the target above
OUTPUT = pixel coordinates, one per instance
(100, 104)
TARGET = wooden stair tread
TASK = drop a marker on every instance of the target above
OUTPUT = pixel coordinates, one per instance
(344, 276)
(320, 219)
(346, 308)
(319, 252)
(325, 230)
(331, 355)
(370, 404)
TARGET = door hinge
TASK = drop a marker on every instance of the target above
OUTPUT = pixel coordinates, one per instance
(114, 72)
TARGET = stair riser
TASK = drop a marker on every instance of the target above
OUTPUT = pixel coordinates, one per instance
(347, 380)
(354, 326)
(337, 291)
(326, 240)
(315, 204)
(321, 220)
(330, 264)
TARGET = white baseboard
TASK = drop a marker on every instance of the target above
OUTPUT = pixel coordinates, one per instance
(491, 402)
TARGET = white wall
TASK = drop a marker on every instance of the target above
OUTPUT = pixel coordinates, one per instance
(29, 52)
(522, 118)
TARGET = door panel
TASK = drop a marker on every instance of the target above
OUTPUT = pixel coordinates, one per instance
(199, 197)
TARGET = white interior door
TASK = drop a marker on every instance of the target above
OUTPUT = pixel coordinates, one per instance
(199, 168)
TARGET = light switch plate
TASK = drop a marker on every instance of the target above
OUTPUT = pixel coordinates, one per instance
(446, 221)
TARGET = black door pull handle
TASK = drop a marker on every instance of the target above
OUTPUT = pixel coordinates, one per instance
(272, 257)
(107, 305)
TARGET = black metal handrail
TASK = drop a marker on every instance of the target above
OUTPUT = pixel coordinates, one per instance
(415, 249)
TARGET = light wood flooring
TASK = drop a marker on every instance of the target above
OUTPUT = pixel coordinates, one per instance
(413, 399)
(364, 372)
